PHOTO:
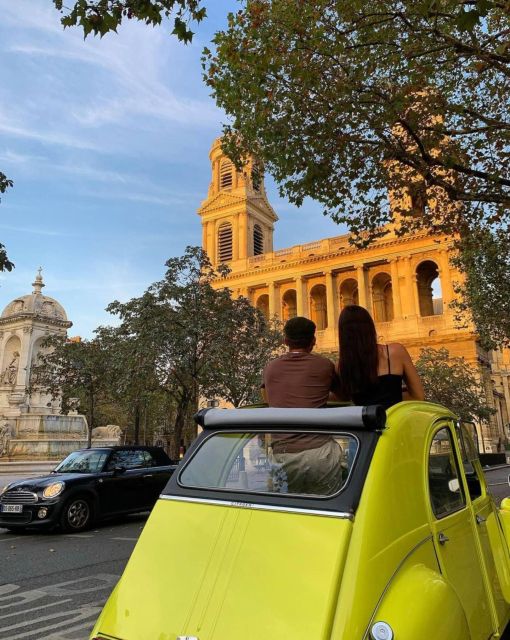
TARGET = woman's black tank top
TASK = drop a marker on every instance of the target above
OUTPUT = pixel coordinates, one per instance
(387, 391)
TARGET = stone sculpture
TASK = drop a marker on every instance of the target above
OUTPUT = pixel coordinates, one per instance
(11, 370)
(110, 432)
(5, 436)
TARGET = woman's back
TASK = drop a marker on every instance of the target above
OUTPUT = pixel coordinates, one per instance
(387, 389)
(372, 373)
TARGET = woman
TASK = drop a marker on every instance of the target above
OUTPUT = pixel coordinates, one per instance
(372, 373)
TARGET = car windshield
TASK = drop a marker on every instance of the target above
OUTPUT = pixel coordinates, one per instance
(298, 463)
(83, 462)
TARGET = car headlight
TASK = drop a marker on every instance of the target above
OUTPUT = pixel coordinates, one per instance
(53, 490)
(381, 631)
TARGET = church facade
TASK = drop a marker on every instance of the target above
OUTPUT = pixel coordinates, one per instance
(406, 283)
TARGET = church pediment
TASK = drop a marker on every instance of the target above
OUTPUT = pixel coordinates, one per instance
(220, 201)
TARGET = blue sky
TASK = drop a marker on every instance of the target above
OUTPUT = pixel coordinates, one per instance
(107, 142)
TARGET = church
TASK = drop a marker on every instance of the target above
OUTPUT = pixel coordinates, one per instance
(406, 283)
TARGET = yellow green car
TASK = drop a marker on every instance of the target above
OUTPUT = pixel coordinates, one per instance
(320, 524)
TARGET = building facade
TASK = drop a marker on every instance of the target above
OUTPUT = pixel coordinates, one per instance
(405, 282)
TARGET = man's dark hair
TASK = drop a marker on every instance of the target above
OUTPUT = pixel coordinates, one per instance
(299, 332)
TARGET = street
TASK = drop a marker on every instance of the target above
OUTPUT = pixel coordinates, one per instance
(53, 586)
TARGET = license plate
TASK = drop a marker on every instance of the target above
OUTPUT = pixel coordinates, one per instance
(12, 508)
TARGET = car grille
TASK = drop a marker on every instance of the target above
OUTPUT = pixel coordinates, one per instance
(18, 497)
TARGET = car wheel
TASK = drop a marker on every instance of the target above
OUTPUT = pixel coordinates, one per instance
(76, 514)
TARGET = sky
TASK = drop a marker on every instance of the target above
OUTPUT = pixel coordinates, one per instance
(107, 142)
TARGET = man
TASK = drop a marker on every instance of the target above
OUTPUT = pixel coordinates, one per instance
(302, 379)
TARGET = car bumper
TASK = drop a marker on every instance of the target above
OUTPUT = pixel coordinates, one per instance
(32, 515)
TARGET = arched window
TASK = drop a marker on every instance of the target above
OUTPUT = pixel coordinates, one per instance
(429, 289)
(262, 304)
(225, 242)
(349, 293)
(382, 297)
(289, 305)
(319, 307)
(226, 174)
(258, 240)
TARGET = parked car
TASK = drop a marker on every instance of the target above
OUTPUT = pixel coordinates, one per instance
(406, 545)
(90, 484)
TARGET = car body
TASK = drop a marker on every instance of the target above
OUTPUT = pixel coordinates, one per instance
(88, 485)
(408, 545)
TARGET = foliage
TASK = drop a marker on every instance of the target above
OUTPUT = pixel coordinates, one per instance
(484, 257)
(251, 341)
(5, 263)
(342, 100)
(452, 382)
(132, 382)
(67, 369)
(188, 331)
(102, 16)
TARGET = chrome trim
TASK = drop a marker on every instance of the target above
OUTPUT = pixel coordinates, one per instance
(260, 507)
(19, 496)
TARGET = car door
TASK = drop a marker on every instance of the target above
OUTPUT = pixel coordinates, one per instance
(122, 488)
(454, 533)
(152, 480)
(492, 543)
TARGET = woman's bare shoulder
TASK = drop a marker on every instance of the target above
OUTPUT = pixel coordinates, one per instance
(398, 350)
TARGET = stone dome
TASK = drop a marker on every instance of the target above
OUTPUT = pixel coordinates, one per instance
(35, 304)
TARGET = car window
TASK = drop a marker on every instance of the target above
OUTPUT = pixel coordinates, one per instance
(315, 464)
(129, 459)
(469, 456)
(83, 462)
(148, 459)
(446, 494)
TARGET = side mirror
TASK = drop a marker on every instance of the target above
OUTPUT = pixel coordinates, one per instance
(119, 470)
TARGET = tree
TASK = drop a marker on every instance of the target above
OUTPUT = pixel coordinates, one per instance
(453, 383)
(252, 341)
(484, 258)
(130, 369)
(68, 369)
(5, 263)
(345, 101)
(101, 16)
(191, 333)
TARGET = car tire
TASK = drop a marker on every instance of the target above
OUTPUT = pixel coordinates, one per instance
(76, 515)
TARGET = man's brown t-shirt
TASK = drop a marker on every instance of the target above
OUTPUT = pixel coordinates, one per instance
(299, 380)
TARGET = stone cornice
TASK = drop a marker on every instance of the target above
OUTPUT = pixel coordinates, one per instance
(300, 261)
(35, 317)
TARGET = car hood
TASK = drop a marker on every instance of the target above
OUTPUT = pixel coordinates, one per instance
(32, 484)
(218, 572)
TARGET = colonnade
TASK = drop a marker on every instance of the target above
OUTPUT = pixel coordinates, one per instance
(398, 288)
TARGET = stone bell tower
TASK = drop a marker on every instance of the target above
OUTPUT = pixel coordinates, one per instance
(237, 219)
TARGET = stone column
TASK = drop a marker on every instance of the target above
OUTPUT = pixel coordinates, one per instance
(412, 302)
(445, 278)
(395, 288)
(362, 290)
(242, 235)
(299, 296)
(330, 300)
(272, 294)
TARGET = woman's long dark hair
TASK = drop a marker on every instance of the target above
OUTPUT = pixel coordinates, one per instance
(359, 356)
